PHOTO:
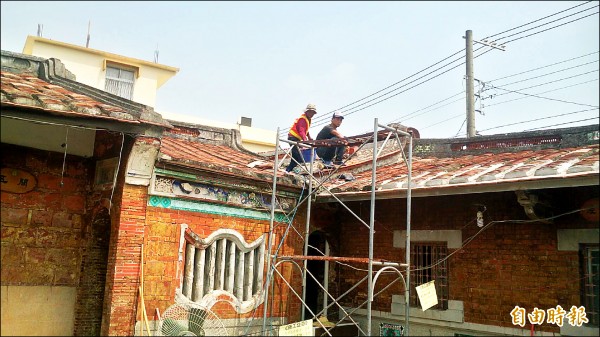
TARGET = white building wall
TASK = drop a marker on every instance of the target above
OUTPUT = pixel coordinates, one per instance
(88, 67)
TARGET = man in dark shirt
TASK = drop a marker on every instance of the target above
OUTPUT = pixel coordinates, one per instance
(327, 154)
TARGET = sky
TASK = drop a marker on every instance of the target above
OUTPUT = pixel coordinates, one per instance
(385, 62)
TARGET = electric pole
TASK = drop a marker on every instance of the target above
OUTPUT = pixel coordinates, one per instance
(471, 131)
(470, 83)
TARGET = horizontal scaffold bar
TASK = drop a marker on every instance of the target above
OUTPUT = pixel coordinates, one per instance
(379, 262)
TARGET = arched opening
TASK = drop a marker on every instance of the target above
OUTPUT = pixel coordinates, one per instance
(90, 294)
(315, 296)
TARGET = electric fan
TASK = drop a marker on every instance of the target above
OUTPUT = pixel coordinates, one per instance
(190, 320)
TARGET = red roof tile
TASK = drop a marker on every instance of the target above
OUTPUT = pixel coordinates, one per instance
(23, 90)
(219, 158)
(476, 169)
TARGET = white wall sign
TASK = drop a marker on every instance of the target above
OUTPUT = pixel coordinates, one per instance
(427, 295)
(302, 328)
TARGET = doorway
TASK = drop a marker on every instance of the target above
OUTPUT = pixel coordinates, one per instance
(316, 298)
(94, 265)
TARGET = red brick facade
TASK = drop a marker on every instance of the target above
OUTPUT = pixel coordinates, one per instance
(508, 264)
(158, 229)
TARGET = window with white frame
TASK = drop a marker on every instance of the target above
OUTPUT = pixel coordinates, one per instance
(429, 261)
(120, 81)
(223, 263)
(590, 261)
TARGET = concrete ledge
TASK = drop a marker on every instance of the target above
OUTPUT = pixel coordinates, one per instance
(569, 330)
(455, 312)
(452, 237)
(569, 239)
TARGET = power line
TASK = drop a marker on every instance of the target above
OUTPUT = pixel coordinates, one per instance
(549, 82)
(546, 74)
(405, 117)
(551, 28)
(396, 94)
(324, 118)
(506, 31)
(402, 80)
(549, 22)
(399, 119)
(531, 95)
(566, 123)
(544, 92)
(527, 71)
(319, 120)
(462, 114)
(539, 119)
(458, 115)
(552, 99)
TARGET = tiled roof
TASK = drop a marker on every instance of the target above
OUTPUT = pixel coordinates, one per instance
(222, 159)
(478, 169)
(24, 90)
(469, 167)
(547, 165)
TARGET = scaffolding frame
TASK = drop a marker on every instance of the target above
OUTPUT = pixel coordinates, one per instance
(274, 259)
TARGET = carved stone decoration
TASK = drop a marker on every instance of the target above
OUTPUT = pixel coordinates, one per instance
(162, 184)
(173, 187)
(141, 162)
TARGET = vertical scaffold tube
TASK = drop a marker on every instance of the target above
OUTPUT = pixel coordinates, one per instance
(307, 231)
(273, 202)
(408, 213)
(371, 227)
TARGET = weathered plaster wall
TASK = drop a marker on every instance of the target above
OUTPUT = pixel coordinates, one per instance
(37, 310)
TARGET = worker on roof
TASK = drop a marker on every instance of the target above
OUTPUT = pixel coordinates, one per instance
(299, 132)
(327, 154)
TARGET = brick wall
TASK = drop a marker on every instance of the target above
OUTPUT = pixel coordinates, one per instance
(122, 280)
(42, 229)
(506, 265)
(159, 230)
(90, 299)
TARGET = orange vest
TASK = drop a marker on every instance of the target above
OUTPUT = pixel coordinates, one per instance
(294, 129)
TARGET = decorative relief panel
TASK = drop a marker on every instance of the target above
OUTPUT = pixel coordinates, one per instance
(163, 185)
(175, 187)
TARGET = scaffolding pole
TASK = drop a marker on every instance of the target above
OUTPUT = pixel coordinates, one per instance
(386, 265)
(307, 231)
(371, 228)
(271, 220)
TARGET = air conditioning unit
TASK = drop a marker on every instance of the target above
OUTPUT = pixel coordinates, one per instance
(245, 121)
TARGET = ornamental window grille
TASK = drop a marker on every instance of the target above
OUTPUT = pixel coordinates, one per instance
(120, 82)
(429, 263)
(223, 262)
(590, 261)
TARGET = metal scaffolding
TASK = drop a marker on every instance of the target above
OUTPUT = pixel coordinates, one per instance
(276, 259)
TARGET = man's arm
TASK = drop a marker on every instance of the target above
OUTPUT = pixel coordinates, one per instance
(303, 130)
(337, 134)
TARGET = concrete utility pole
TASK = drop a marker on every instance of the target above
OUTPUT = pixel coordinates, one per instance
(471, 131)
(470, 84)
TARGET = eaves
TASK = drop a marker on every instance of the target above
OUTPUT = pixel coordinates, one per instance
(247, 176)
(50, 116)
(574, 180)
